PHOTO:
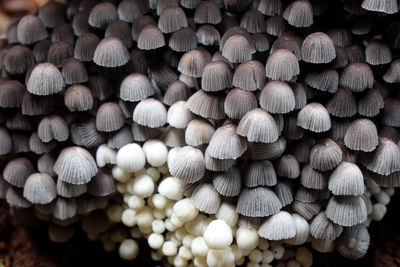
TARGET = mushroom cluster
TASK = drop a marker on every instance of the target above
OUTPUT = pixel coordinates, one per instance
(224, 131)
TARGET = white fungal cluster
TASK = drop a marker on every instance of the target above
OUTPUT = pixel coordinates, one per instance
(154, 208)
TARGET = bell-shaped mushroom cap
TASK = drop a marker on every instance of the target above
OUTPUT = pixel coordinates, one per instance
(135, 87)
(177, 91)
(277, 97)
(249, 76)
(45, 79)
(199, 132)
(261, 42)
(80, 23)
(346, 180)
(183, 40)
(5, 141)
(139, 23)
(306, 210)
(325, 155)
(85, 47)
(228, 183)
(390, 115)
(59, 52)
(74, 71)
(259, 173)
(322, 228)
(253, 21)
(354, 242)
(101, 185)
(17, 171)
(78, 98)
(302, 231)
(346, 211)
(70, 190)
(377, 53)
(172, 19)
(75, 165)
(45, 164)
(111, 52)
(214, 164)
(288, 43)
(207, 105)
(288, 166)
(237, 49)
(318, 48)
(271, 7)
(150, 37)
(258, 202)
(238, 102)
(216, 76)
(64, 209)
(102, 14)
(388, 7)
(40, 188)
(277, 227)
(31, 29)
(226, 143)
(312, 179)
(357, 77)
(84, 133)
(314, 117)
(307, 195)
(282, 65)
(109, 117)
(37, 146)
(187, 164)
(53, 127)
(371, 104)
(384, 160)
(208, 35)
(151, 113)
(392, 75)
(129, 10)
(207, 12)
(258, 126)
(284, 191)
(192, 63)
(11, 94)
(362, 135)
(325, 80)
(299, 14)
(179, 116)
(18, 59)
(15, 199)
(206, 199)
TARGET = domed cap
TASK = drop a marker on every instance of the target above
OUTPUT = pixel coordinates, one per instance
(172, 19)
(322, 228)
(258, 126)
(252, 68)
(75, 165)
(388, 7)
(45, 79)
(207, 105)
(192, 63)
(288, 166)
(187, 164)
(282, 65)
(362, 135)
(206, 199)
(346, 211)
(40, 188)
(277, 97)
(216, 76)
(135, 87)
(278, 227)
(325, 80)
(238, 102)
(102, 14)
(228, 183)
(150, 37)
(31, 29)
(299, 13)
(346, 180)
(357, 77)
(314, 117)
(109, 117)
(226, 144)
(238, 49)
(17, 171)
(150, 112)
(354, 242)
(258, 202)
(318, 48)
(325, 155)
(111, 52)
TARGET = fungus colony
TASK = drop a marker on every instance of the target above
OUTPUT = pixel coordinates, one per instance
(223, 132)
